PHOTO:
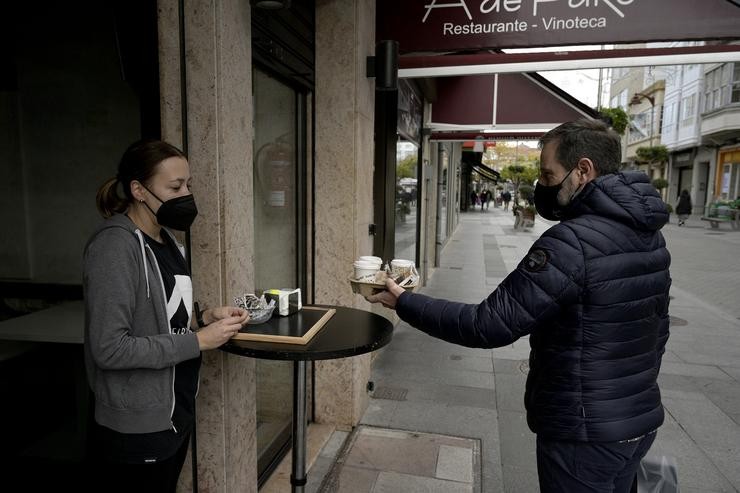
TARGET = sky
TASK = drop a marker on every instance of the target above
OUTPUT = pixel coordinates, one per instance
(581, 84)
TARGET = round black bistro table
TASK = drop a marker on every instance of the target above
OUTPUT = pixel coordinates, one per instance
(349, 332)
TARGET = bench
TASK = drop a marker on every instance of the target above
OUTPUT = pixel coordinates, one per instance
(723, 216)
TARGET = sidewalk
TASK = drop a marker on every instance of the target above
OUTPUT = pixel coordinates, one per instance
(445, 418)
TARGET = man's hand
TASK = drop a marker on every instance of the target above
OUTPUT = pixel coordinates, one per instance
(389, 297)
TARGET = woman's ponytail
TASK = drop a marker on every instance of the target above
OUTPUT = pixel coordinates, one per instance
(108, 200)
(139, 162)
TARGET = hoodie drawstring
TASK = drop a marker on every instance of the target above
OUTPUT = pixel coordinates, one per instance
(143, 257)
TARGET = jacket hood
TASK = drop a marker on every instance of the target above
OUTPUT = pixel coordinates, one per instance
(116, 221)
(122, 221)
(627, 197)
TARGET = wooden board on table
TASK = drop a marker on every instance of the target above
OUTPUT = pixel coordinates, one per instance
(297, 328)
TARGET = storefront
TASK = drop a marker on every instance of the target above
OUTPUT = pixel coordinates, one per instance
(727, 181)
(79, 83)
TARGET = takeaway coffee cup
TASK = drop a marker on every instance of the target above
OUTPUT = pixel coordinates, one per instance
(363, 269)
(402, 267)
(373, 260)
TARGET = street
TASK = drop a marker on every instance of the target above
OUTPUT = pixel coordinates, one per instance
(429, 392)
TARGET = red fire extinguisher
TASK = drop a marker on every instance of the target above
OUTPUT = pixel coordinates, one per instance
(276, 168)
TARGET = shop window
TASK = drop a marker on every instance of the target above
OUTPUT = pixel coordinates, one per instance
(406, 200)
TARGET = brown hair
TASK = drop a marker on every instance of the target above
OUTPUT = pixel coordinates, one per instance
(139, 162)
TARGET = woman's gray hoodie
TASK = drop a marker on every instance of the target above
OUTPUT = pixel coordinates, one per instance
(130, 352)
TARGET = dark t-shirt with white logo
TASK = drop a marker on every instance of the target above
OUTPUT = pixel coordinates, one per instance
(152, 447)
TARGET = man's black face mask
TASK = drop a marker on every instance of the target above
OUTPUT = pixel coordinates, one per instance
(546, 199)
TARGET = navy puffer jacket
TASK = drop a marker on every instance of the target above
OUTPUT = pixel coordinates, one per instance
(593, 295)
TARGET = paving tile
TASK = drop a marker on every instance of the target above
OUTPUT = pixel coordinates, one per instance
(510, 392)
(404, 453)
(356, 480)
(449, 420)
(379, 412)
(455, 464)
(727, 460)
(454, 360)
(518, 479)
(389, 482)
(461, 378)
(704, 421)
(449, 394)
(507, 366)
(335, 443)
(318, 472)
(734, 372)
(693, 370)
(695, 468)
(518, 443)
(723, 393)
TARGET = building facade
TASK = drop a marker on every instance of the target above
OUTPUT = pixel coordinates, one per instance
(698, 119)
(275, 110)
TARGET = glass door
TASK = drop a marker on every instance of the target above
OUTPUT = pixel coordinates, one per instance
(405, 204)
(279, 203)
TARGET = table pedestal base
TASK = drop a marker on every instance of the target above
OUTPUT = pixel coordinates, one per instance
(298, 473)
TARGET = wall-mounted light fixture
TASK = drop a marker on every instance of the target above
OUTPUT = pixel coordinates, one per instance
(638, 96)
(271, 4)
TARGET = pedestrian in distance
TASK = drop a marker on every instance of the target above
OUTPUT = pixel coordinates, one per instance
(489, 197)
(482, 198)
(592, 294)
(683, 208)
(473, 199)
(143, 342)
(506, 197)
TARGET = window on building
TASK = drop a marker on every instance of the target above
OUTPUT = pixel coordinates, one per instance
(620, 100)
(640, 126)
(688, 110)
(722, 86)
(618, 73)
(669, 118)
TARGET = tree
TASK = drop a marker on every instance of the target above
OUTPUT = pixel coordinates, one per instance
(655, 154)
(406, 168)
(652, 155)
(660, 183)
(506, 153)
(519, 175)
(616, 117)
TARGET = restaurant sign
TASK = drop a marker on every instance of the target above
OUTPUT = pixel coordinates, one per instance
(448, 25)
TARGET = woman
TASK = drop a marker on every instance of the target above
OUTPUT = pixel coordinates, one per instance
(683, 209)
(142, 342)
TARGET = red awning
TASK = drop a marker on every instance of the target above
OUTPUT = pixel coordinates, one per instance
(521, 101)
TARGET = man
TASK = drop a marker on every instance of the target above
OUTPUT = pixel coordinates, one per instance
(592, 294)
(506, 197)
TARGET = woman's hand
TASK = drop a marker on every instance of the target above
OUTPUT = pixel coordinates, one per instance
(389, 297)
(225, 323)
(214, 314)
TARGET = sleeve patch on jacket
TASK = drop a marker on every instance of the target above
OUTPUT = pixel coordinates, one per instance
(536, 260)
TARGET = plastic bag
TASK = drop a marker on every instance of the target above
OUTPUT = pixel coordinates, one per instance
(657, 475)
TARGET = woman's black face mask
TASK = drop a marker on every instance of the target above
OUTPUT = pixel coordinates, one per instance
(177, 213)
(546, 199)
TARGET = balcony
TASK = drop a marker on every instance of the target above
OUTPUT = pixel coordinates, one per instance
(721, 126)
